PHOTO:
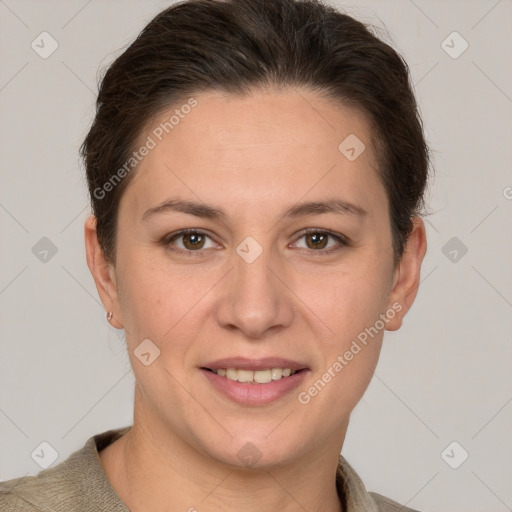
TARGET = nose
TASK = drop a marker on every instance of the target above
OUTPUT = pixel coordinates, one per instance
(255, 298)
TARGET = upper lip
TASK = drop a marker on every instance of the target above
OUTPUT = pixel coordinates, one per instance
(243, 363)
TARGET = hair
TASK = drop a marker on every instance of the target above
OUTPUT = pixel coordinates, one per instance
(237, 46)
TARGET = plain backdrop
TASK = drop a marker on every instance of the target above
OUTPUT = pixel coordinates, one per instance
(445, 377)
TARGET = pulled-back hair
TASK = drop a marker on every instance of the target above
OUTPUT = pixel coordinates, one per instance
(236, 46)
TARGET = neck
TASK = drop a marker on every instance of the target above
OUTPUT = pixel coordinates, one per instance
(152, 468)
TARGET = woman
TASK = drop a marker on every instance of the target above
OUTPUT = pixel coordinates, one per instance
(256, 171)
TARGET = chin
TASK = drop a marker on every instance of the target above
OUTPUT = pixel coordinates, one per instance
(253, 452)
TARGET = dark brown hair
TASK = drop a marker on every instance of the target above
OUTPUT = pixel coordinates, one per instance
(236, 46)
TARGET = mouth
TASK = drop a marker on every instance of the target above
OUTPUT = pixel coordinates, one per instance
(254, 382)
(261, 376)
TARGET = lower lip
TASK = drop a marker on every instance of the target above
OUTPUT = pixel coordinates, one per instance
(255, 394)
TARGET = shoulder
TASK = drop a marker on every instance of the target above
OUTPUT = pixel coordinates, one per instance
(11, 503)
(28, 493)
(75, 484)
(355, 496)
(49, 490)
(388, 505)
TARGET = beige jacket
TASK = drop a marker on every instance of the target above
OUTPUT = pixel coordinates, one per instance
(79, 484)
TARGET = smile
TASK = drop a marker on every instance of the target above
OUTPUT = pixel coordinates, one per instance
(255, 377)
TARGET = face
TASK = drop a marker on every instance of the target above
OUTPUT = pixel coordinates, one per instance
(287, 263)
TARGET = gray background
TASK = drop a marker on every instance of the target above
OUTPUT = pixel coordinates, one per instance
(445, 376)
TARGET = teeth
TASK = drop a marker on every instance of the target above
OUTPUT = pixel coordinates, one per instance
(245, 375)
(262, 376)
(232, 374)
(277, 373)
(255, 377)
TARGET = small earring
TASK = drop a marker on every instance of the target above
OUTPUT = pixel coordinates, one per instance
(110, 315)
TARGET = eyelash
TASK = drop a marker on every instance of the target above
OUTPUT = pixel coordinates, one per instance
(342, 241)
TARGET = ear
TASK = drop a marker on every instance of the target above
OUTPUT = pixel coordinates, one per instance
(406, 276)
(103, 273)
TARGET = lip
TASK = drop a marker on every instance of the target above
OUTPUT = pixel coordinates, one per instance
(244, 363)
(254, 394)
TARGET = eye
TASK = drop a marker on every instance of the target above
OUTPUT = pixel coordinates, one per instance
(192, 240)
(196, 241)
(317, 240)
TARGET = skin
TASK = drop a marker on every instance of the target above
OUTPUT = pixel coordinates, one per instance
(252, 156)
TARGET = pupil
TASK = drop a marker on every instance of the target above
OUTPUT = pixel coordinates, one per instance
(318, 240)
(193, 239)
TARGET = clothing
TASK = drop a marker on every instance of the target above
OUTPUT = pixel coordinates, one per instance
(79, 484)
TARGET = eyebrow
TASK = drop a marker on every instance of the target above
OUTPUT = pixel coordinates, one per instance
(206, 211)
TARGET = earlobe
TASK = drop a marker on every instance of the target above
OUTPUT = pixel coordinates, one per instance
(102, 272)
(407, 274)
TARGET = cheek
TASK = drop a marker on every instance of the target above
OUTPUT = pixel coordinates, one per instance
(347, 300)
(350, 303)
(162, 302)
(350, 352)
(357, 372)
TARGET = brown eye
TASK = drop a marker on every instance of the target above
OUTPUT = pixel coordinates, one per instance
(193, 241)
(188, 241)
(321, 242)
(318, 240)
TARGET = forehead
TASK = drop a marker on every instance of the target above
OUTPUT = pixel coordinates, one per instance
(265, 145)
(272, 117)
